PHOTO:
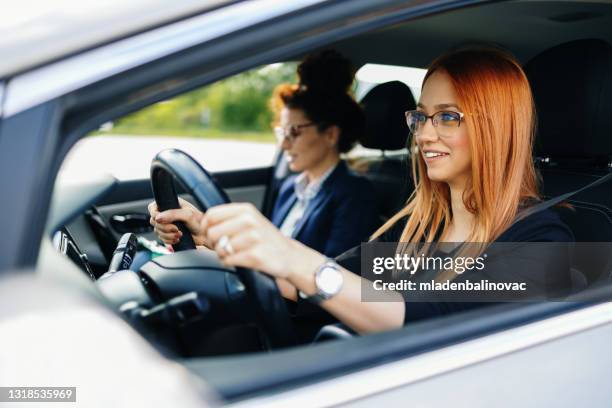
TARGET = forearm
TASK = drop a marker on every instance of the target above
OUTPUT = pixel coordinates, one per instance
(258, 244)
(347, 306)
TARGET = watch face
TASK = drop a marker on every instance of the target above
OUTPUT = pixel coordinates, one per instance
(329, 280)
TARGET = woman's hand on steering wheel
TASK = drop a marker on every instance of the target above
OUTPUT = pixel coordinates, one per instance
(243, 237)
(168, 232)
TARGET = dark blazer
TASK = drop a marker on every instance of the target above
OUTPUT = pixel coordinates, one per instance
(342, 214)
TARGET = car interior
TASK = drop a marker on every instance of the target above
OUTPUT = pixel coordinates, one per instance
(217, 321)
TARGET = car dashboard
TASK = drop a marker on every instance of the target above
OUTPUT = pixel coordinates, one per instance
(65, 244)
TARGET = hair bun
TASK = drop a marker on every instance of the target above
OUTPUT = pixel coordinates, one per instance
(327, 71)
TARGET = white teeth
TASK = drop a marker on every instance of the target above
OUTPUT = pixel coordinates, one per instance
(433, 154)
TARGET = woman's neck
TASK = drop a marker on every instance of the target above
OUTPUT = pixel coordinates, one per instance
(317, 171)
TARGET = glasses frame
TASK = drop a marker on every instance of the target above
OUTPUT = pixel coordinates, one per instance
(290, 132)
(431, 117)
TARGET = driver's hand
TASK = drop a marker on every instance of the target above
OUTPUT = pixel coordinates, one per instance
(168, 232)
(250, 240)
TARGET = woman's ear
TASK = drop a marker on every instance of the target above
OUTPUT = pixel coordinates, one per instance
(332, 135)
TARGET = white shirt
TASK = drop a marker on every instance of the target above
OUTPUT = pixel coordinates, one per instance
(305, 192)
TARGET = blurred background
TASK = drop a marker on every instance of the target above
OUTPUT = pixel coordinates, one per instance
(226, 125)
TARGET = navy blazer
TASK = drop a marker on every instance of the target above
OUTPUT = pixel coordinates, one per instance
(342, 214)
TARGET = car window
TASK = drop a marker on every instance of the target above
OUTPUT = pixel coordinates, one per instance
(370, 75)
(225, 126)
(208, 123)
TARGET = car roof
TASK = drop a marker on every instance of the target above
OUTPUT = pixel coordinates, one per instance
(33, 32)
(525, 27)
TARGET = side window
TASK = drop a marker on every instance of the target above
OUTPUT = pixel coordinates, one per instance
(370, 75)
(225, 126)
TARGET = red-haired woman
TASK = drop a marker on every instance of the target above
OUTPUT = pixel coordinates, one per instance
(472, 142)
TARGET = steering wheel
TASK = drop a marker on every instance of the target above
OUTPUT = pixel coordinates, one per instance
(270, 309)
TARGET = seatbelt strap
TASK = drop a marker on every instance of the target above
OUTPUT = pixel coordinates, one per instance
(556, 200)
(529, 211)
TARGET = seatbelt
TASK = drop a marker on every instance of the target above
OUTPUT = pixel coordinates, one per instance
(529, 211)
(556, 200)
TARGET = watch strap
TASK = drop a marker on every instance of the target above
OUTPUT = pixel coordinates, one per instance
(316, 299)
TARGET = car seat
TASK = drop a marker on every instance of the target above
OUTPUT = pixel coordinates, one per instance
(572, 87)
(386, 130)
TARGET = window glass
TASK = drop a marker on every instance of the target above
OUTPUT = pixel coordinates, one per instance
(370, 75)
(225, 126)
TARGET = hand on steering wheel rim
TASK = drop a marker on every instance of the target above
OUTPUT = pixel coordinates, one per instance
(172, 164)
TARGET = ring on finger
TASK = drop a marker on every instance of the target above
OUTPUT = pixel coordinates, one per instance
(225, 244)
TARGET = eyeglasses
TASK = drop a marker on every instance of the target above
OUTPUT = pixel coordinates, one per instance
(290, 132)
(445, 122)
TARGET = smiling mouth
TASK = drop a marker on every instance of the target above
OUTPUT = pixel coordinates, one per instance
(432, 155)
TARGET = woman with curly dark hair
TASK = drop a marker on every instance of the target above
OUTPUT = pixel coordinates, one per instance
(325, 206)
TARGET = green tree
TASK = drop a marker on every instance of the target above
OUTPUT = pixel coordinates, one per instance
(238, 103)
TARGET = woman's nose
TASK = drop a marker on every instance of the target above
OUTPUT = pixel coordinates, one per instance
(427, 132)
(285, 143)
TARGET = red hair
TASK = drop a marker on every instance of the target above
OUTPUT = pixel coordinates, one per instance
(494, 94)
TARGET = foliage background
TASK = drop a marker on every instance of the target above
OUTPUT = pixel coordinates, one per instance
(234, 108)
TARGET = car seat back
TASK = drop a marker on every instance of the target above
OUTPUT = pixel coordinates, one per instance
(572, 88)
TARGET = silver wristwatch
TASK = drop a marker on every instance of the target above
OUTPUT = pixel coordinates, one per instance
(328, 280)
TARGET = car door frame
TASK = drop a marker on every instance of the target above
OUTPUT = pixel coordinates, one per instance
(53, 106)
(35, 139)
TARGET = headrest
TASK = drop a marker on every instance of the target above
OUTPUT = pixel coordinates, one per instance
(384, 107)
(572, 87)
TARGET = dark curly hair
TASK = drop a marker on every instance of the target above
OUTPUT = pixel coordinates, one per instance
(323, 94)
